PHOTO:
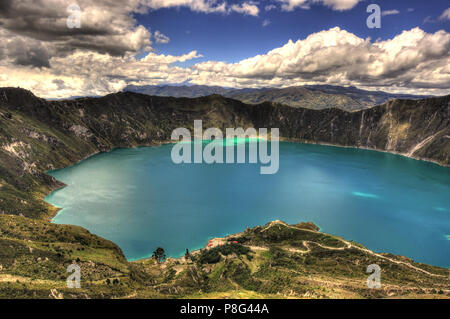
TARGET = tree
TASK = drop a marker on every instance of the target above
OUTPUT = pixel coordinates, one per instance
(159, 254)
(187, 255)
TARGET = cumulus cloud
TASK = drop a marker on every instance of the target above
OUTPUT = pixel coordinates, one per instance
(107, 26)
(266, 22)
(39, 52)
(389, 12)
(410, 61)
(270, 7)
(445, 15)
(92, 73)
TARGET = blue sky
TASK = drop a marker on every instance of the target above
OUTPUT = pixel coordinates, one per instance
(233, 37)
(226, 43)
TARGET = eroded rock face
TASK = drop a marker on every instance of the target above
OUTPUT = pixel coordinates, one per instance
(80, 131)
(417, 129)
(18, 149)
(36, 134)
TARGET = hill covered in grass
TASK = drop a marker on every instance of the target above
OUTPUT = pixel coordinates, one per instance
(272, 261)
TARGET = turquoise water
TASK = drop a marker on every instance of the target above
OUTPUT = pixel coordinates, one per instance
(140, 200)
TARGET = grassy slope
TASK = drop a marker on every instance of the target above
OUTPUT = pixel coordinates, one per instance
(273, 261)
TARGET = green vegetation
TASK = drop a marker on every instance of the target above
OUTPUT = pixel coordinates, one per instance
(213, 255)
(34, 256)
(159, 254)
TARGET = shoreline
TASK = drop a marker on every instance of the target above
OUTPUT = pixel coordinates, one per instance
(423, 159)
(220, 241)
(58, 209)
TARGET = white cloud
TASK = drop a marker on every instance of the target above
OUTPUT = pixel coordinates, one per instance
(54, 61)
(337, 5)
(205, 6)
(106, 26)
(413, 60)
(246, 8)
(445, 15)
(161, 38)
(290, 5)
(91, 73)
(266, 22)
(389, 12)
(270, 7)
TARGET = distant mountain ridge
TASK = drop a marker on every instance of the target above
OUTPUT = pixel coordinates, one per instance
(316, 97)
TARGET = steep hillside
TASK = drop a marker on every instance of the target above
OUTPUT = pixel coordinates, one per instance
(37, 135)
(364, 97)
(418, 129)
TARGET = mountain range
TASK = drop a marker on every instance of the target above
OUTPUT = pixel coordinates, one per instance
(316, 97)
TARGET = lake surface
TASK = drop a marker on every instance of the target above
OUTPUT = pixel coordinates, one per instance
(139, 199)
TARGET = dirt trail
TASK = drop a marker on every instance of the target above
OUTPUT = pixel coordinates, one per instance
(348, 246)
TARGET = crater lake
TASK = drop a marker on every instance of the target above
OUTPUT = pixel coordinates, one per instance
(139, 199)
